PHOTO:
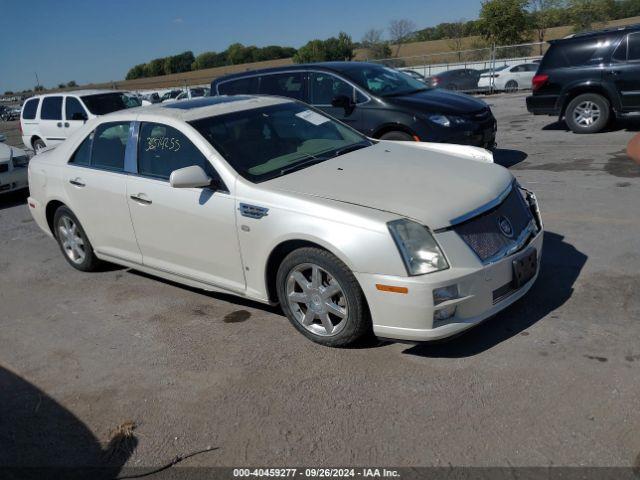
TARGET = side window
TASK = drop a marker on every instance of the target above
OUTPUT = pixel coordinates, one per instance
(51, 108)
(241, 85)
(633, 48)
(283, 84)
(109, 145)
(325, 87)
(30, 108)
(82, 155)
(163, 149)
(620, 54)
(73, 109)
(532, 67)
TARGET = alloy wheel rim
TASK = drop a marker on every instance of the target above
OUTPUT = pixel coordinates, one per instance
(316, 300)
(586, 113)
(71, 240)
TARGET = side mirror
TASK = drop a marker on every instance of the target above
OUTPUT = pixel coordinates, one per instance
(189, 177)
(342, 101)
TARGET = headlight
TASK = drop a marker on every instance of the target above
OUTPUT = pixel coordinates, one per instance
(419, 250)
(446, 120)
(21, 161)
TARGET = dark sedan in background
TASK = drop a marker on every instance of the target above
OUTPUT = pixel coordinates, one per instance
(464, 79)
(379, 101)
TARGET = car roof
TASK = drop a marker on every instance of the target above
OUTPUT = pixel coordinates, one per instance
(201, 107)
(597, 33)
(79, 93)
(336, 67)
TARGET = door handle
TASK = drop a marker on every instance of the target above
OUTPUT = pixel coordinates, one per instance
(59, 124)
(140, 199)
(76, 182)
(66, 124)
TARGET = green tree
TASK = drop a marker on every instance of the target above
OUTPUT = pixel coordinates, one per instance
(38, 88)
(205, 60)
(544, 14)
(340, 48)
(179, 63)
(585, 14)
(236, 54)
(505, 22)
(8, 92)
(400, 32)
(72, 84)
(376, 47)
(138, 71)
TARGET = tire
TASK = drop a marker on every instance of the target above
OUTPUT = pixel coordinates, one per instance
(511, 86)
(587, 113)
(328, 308)
(75, 245)
(38, 144)
(397, 136)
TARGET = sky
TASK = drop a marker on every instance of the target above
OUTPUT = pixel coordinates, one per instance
(98, 41)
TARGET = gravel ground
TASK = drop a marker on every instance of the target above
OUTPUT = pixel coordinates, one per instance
(553, 380)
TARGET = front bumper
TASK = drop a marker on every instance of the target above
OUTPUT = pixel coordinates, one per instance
(410, 316)
(480, 134)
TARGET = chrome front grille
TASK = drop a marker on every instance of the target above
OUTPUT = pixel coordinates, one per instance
(501, 231)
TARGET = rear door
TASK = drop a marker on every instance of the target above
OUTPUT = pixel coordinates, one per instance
(95, 181)
(285, 84)
(51, 124)
(624, 71)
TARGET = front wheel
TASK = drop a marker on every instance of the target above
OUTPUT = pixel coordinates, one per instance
(73, 242)
(38, 145)
(322, 298)
(587, 113)
(397, 136)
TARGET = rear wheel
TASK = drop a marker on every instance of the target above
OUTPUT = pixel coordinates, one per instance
(73, 242)
(322, 298)
(587, 113)
(397, 136)
(38, 145)
(511, 86)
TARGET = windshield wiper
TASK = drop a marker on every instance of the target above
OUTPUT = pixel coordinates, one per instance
(351, 148)
(311, 160)
(407, 92)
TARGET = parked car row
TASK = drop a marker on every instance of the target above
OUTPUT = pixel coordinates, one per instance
(502, 78)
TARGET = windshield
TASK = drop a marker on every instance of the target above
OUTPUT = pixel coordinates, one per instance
(269, 142)
(385, 81)
(104, 103)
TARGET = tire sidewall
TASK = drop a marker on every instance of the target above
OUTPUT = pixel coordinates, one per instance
(602, 122)
(396, 136)
(357, 320)
(90, 261)
(511, 86)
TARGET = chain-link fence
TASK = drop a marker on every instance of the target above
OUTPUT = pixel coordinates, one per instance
(497, 68)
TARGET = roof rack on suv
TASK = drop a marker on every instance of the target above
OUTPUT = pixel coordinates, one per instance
(622, 28)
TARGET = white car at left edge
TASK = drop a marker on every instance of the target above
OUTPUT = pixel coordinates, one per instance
(13, 168)
(272, 200)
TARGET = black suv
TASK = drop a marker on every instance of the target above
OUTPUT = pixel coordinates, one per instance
(378, 101)
(589, 78)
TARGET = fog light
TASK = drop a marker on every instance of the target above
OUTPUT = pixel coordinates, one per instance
(441, 315)
(445, 294)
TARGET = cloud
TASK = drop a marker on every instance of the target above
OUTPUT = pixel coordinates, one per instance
(178, 20)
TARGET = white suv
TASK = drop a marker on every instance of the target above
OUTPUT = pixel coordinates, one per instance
(47, 120)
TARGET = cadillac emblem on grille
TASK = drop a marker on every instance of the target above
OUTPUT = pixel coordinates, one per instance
(504, 224)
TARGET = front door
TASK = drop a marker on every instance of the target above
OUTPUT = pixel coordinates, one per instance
(189, 232)
(324, 87)
(74, 115)
(97, 186)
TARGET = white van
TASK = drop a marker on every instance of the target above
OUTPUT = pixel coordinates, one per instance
(47, 120)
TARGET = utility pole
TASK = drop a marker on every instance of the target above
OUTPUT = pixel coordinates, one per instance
(37, 79)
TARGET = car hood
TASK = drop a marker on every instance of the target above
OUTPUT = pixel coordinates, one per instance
(439, 100)
(431, 186)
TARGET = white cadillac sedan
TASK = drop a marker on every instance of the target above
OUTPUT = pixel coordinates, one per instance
(269, 199)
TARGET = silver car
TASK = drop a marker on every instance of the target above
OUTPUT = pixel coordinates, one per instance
(272, 200)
